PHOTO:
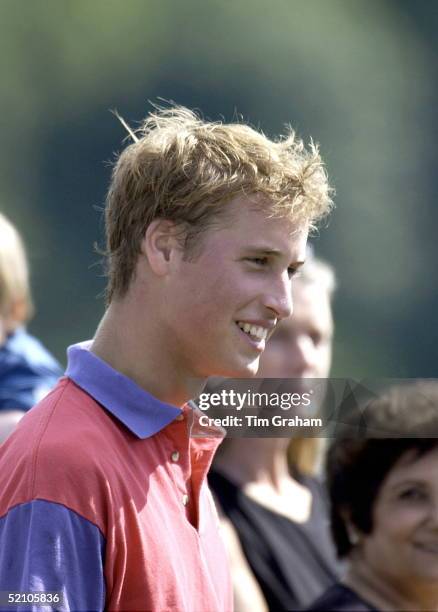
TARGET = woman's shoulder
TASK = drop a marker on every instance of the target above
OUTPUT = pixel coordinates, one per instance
(340, 598)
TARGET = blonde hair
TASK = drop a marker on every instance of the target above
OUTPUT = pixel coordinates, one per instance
(304, 455)
(15, 299)
(185, 169)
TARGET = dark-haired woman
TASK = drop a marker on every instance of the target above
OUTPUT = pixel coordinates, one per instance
(384, 506)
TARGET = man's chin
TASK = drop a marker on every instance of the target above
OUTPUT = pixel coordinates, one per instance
(248, 370)
(239, 370)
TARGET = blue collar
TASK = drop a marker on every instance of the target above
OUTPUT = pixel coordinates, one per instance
(140, 411)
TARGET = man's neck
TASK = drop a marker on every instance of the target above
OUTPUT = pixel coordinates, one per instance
(137, 352)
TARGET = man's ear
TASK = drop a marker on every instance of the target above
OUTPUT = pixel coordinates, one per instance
(161, 245)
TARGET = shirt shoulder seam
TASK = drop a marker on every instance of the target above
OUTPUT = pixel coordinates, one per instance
(39, 441)
(56, 503)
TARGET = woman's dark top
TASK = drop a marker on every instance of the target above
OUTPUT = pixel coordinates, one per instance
(340, 598)
(294, 563)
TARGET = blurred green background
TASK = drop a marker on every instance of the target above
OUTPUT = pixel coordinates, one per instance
(359, 76)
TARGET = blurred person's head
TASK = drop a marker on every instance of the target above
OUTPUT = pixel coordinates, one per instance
(383, 488)
(301, 345)
(187, 171)
(15, 299)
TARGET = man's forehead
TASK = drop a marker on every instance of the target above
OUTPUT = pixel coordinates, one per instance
(253, 229)
(252, 207)
(278, 239)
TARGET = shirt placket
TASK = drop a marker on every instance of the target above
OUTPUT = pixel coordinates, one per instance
(179, 465)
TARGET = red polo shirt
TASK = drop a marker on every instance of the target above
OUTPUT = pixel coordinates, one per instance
(104, 497)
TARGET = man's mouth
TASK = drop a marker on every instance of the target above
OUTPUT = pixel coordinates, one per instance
(256, 332)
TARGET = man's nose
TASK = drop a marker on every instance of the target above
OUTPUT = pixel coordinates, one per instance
(279, 298)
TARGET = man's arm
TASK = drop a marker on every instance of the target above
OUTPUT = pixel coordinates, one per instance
(45, 546)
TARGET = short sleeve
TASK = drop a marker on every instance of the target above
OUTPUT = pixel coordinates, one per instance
(45, 546)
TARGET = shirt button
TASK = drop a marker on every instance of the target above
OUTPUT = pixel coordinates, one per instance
(185, 500)
(175, 456)
(180, 417)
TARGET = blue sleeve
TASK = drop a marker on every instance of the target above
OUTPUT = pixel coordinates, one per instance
(47, 547)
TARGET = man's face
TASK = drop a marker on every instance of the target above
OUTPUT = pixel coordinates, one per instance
(222, 306)
(301, 346)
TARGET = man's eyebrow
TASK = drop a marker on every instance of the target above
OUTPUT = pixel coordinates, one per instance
(263, 250)
(298, 264)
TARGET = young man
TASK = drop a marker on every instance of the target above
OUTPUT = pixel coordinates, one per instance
(103, 492)
(27, 370)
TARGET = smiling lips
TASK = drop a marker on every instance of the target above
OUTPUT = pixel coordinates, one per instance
(258, 331)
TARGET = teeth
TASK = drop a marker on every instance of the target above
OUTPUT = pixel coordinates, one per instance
(254, 330)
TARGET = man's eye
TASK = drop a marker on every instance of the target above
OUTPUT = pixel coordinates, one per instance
(316, 339)
(259, 261)
(292, 271)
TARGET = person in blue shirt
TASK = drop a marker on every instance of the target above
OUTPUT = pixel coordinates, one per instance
(27, 370)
